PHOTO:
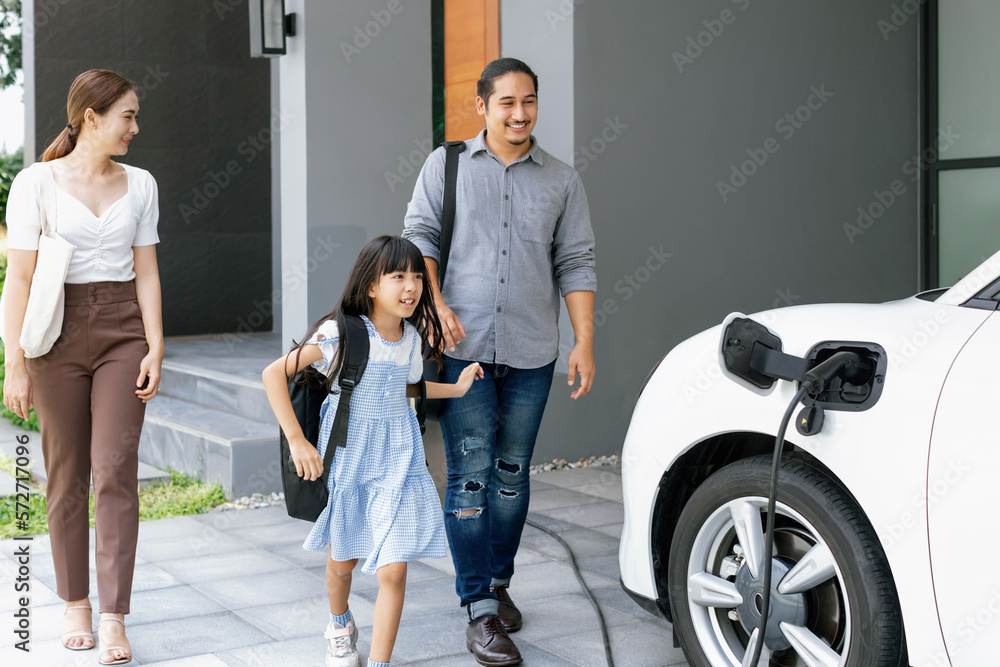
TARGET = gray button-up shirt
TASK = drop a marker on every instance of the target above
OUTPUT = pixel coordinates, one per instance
(522, 235)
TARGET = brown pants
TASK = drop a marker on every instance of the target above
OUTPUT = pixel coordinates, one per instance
(90, 418)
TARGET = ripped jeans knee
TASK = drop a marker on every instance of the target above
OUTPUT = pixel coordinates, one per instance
(510, 479)
(468, 501)
(509, 468)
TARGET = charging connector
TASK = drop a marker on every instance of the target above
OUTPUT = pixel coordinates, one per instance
(848, 366)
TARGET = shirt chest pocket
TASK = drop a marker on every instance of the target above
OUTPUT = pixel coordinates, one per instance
(535, 220)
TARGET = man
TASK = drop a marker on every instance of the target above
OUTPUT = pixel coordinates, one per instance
(522, 232)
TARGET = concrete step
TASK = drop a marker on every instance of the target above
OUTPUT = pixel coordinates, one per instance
(211, 444)
(228, 392)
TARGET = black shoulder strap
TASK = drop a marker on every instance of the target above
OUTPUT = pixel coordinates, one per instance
(422, 406)
(355, 340)
(451, 151)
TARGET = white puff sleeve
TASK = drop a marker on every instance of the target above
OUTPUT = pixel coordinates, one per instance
(327, 339)
(145, 233)
(24, 204)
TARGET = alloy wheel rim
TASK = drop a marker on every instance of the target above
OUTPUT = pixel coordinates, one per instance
(731, 543)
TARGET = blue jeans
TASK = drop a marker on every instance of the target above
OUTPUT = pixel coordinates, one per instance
(489, 437)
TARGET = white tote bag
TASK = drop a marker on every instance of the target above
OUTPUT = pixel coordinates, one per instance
(43, 317)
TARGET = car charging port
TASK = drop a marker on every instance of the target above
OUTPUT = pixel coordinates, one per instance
(854, 390)
(752, 353)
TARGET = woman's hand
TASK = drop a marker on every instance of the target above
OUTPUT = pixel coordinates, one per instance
(466, 378)
(149, 377)
(17, 390)
(308, 462)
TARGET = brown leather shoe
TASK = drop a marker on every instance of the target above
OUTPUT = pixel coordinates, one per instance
(509, 614)
(490, 644)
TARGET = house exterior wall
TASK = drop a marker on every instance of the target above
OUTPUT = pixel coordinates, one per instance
(205, 119)
(737, 156)
(669, 99)
(357, 93)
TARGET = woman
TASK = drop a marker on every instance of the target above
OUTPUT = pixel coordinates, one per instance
(90, 390)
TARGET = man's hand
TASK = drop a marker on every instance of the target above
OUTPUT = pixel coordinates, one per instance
(580, 305)
(451, 327)
(581, 360)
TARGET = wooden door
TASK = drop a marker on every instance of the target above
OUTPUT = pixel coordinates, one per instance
(471, 41)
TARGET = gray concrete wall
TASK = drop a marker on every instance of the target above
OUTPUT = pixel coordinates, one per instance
(205, 134)
(663, 130)
(376, 101)
(363, 128)
(536, 32)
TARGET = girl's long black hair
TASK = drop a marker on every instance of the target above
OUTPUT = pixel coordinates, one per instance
(382, 255)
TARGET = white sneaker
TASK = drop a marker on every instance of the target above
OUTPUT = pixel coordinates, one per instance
(342, 650)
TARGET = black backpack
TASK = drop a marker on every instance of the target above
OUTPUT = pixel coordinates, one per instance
(306, 499)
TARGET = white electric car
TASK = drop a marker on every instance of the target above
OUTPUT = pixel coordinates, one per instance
(885, 529)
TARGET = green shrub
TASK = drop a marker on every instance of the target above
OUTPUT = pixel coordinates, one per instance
(10, 165)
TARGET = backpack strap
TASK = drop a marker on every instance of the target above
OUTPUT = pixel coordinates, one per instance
(451, 151)
(421, 402)
(356, 343)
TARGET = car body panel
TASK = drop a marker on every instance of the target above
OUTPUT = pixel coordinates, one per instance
(962, 475)
(641, 474)
(880, 458)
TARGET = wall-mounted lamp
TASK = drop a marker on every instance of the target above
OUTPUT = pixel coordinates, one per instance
(269, 25)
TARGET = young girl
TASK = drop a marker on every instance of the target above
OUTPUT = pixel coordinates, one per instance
(383, 505)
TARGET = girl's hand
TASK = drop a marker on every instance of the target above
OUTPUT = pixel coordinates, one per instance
(308, 462)
(17, 390)
(148, 382)
(466, 378)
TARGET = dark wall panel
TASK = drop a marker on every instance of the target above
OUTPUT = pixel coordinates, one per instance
(670, 97)
(204, 134)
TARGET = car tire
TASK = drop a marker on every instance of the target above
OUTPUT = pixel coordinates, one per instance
(838, 607)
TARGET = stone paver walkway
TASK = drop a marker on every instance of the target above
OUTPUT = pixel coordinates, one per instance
(236, 588)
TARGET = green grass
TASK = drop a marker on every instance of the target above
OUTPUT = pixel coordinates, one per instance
(181, 496)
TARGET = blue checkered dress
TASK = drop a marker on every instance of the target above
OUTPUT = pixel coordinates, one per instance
(383, 505)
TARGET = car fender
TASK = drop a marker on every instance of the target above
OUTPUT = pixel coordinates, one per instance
(879, 455)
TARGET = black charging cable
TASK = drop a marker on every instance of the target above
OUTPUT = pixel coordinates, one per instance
(586, 589)
(772, 499)
(853, 368)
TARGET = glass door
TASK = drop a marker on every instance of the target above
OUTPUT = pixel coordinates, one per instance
(961, 155)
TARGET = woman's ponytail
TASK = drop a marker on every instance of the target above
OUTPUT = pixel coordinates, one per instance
(62, 144)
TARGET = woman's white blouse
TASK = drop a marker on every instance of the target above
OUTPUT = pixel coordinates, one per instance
(103, 244)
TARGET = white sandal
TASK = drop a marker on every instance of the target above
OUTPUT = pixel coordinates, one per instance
(120, 661)
(86, 634)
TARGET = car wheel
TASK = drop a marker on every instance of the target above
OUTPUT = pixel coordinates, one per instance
(833, 599)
